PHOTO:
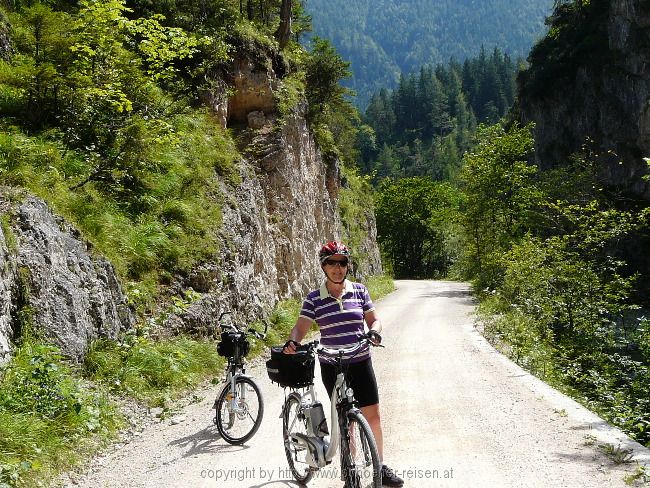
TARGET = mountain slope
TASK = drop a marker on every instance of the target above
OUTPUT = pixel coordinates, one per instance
(385, 37)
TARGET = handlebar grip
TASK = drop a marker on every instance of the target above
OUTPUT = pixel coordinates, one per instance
(257, 334)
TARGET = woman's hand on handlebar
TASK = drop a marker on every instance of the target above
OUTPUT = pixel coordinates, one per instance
(290, 347)
(374, 337)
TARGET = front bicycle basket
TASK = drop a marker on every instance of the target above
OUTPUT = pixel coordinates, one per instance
(292, 370)
(226, 347)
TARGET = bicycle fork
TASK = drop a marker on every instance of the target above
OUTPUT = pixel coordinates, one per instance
(234, 399)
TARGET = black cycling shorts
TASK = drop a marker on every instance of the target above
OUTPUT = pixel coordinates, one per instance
(361, 378)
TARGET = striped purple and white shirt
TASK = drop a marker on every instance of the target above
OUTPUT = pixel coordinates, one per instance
(340, 320)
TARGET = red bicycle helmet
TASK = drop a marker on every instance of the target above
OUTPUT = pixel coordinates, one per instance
(333, 248)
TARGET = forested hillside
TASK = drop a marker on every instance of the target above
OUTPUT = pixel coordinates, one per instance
(385, 38)
(423, 127)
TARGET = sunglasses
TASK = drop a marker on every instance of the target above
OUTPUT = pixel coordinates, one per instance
(333, 262)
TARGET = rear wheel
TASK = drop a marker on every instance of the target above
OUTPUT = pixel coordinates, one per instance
(293, 422)
(360, 463)
(238, 420)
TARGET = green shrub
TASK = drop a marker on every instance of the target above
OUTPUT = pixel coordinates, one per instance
(48, 417)
(291, 92)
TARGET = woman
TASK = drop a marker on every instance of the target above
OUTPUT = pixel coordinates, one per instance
(340, 307)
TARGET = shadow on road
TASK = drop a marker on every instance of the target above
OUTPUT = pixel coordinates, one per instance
(205, 441)
(588, 457)
(447, 294)
(461, 295)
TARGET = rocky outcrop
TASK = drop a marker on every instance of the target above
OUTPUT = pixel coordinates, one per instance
(276, 220)
(274, 225)
(7, 290)
(254, 87)
(64, 292)
(246, 90)
(601, 94)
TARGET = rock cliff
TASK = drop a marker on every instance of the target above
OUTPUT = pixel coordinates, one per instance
(274, 224)
(7, 289)
(591, 79)
(53, 284)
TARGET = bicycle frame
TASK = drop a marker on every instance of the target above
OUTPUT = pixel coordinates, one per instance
(325, 452)
(340, 386)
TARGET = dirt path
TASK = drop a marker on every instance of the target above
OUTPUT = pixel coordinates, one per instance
(456, 414)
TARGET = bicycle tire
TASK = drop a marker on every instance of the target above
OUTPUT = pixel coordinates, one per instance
(237, 428)
(360, 464)
(293, 422)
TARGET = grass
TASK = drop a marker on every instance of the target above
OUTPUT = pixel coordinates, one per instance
(153, 372)
(641, 475)
(46, 407)
(379, 286)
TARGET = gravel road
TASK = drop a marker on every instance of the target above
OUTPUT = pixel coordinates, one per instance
(456, 414)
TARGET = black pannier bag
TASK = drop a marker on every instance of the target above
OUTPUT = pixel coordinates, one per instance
(292, 370)
(226, 347)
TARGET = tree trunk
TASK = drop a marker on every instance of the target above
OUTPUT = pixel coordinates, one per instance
(283, 34)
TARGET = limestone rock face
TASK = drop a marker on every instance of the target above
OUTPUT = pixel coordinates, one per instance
(69, 295)
(245, 91)
(284, 210)
(8, 287)
(606, 99)
(274, 225)
(254, 86)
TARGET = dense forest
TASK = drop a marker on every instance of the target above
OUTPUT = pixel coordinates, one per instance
(423, 127)
(421, 32)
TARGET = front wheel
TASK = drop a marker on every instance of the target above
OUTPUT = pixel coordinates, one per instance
(360, 464)
(239, 413)
(294, 422)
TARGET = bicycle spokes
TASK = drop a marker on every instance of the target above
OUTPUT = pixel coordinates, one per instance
(239, 411)
(359, 461)
(294, 424)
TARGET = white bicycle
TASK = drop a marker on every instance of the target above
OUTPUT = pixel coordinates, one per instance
(239, 407)
(305, 427)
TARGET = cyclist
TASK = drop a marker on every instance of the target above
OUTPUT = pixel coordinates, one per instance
(339, 308)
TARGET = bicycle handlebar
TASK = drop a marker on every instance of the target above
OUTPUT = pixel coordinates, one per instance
(317, 347)
(254, 333)
(259, 335)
